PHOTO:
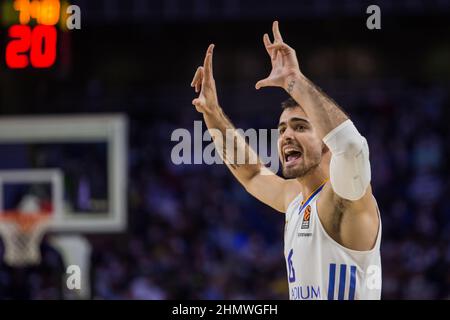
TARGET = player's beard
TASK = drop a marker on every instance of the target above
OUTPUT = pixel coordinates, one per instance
(301, 170)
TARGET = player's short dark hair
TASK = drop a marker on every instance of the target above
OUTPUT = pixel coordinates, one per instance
(289, 104)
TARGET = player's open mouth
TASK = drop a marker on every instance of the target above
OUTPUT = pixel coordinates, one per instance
(291, 155)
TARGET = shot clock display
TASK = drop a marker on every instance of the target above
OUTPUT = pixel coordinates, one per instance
(33, 31)
(31, 46)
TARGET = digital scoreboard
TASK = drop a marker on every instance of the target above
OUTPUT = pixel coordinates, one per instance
(33, 28)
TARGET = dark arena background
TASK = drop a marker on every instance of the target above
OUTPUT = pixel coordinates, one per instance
(191, 231)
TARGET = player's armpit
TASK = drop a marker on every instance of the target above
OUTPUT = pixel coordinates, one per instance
(360, 222)
(353, 224)
(273, 190)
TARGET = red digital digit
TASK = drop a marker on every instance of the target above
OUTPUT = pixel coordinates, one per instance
(16, 51)
(43, 46)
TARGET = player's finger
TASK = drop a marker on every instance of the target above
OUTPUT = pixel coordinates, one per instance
(207, 73)
(196, 76)
(209, 51)
(274, 55)
(198, 83)
(197, 103)
(278, 61)
(276, 32)
(279, 46)
(267, 42)
(207, 65)
(262, 83)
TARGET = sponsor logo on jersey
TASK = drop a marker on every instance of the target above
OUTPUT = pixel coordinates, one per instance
(305, 293)
(304, 234)
(306, 217)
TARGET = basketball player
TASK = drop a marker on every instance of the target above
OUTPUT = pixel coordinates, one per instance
(333, 228)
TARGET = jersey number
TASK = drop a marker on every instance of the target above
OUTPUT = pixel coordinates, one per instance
(291, 269)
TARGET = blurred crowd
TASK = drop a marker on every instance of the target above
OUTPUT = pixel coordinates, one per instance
(195, 233)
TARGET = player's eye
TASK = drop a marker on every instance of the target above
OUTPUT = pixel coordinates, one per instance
(281, 130)
(300, 128)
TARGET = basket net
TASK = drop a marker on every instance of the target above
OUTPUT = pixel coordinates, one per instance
(22, 234)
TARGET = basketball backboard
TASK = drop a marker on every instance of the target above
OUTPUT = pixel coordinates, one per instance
(82, 158)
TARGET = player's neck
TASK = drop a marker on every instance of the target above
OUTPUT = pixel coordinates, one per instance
(312, 180)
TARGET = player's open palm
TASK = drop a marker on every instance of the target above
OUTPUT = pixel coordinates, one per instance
(283, 58)
(204, 83)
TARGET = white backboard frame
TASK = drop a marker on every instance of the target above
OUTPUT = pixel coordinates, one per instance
(113, 129)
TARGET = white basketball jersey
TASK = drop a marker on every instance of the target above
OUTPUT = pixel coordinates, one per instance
(320, 268)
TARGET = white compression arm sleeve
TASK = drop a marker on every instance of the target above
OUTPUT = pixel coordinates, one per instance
(350, 167)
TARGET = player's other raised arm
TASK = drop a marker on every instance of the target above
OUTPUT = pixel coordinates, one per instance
(251, 173)
(348, 191)
(349, 167)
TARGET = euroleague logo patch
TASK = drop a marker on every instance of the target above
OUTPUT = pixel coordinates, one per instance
(306, 218)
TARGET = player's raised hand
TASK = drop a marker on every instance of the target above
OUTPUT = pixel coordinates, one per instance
(283, 58)
(204, 83)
